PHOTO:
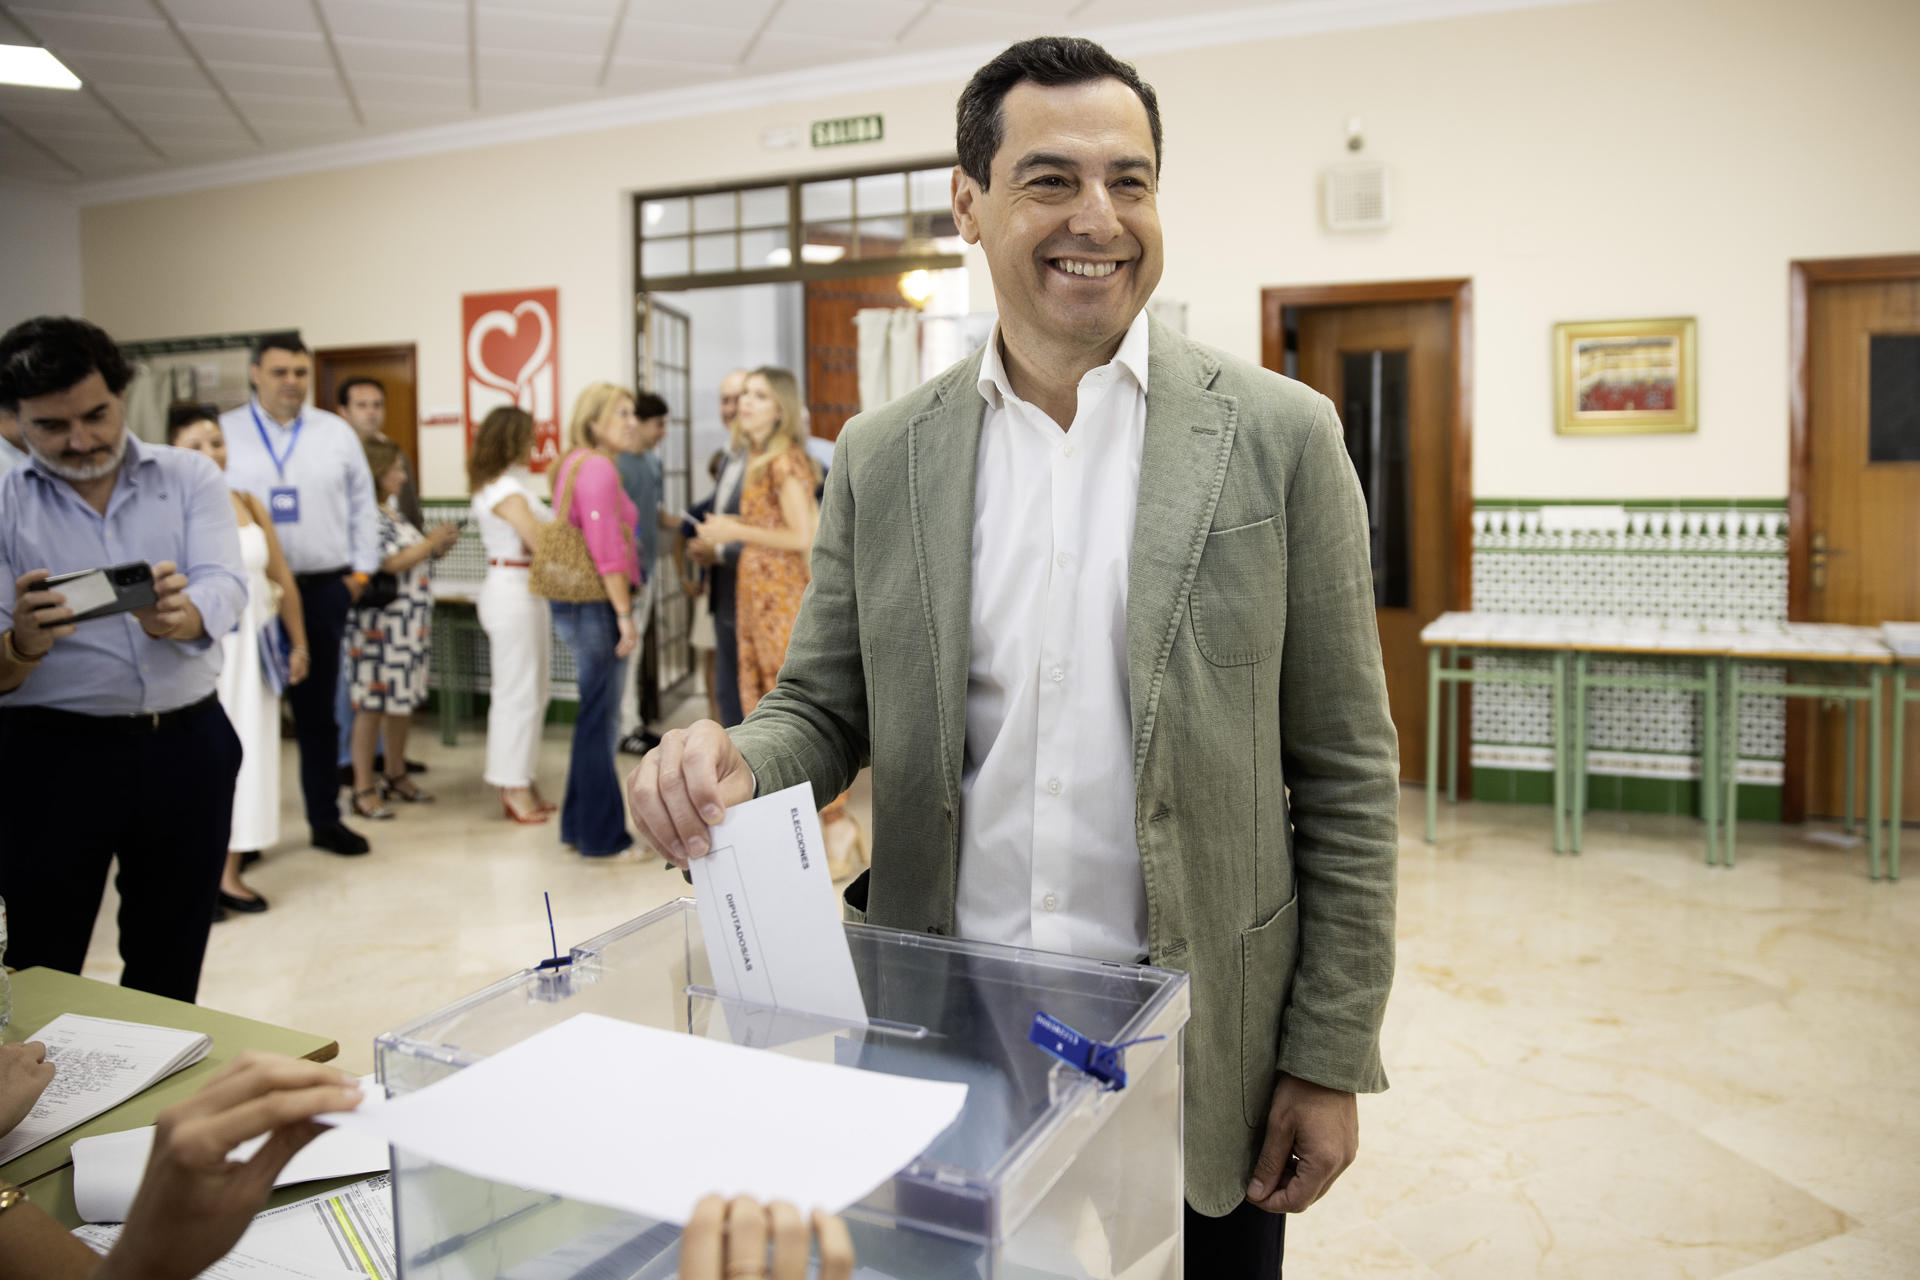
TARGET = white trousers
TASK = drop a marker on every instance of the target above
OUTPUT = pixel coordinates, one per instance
(642, 604)
(519, 638)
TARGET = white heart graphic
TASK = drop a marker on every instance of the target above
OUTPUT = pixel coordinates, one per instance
(508, 323)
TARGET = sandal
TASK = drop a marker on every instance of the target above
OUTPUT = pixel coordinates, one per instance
(375, 811)
(404, 788)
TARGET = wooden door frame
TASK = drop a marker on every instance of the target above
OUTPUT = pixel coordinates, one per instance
(1457, 293)
(1804, 274)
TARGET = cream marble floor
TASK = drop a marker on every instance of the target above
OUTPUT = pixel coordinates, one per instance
(1618, 1065)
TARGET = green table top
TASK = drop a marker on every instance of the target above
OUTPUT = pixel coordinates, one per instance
(41, 995)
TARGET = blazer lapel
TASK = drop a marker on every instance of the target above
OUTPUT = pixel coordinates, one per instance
(943, 445)
(1183, 464)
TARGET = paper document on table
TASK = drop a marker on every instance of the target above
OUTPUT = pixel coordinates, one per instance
(342, 1235)
(559, 1113)
(769, 912)
(107, 1168)
(98, 1063)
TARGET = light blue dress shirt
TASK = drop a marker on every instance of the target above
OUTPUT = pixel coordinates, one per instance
(170, 504)
(326, 464)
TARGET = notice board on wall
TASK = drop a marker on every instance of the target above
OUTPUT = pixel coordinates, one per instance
(511, 343)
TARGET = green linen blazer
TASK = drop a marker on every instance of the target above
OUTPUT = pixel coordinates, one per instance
(1265, 762)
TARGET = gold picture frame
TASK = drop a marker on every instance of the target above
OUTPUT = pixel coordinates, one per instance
(1625, 377)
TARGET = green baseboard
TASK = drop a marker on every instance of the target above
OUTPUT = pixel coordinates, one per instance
(1627, 795)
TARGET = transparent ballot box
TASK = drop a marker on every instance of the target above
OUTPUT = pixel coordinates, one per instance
(1047, 1172)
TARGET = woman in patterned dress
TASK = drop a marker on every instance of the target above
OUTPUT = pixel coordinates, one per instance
(388, 645)
(778, 516)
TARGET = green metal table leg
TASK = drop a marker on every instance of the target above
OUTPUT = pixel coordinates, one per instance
(1730, 823)
(1896, 776)
(1577, 748)
(1559, 692)
(1453, 730)
(1853, 732)
(1433, 734)
(1873, 775)
(1709, 749)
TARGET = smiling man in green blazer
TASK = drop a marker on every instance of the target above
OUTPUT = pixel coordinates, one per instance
(1096, 606)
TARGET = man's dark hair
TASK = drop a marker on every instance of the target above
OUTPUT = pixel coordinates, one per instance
(182, 416)
(1044, 60)
(47, 354)
(286, 340)
(648, 405)
(346, 389)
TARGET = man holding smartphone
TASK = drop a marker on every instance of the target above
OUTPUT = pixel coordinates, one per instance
(111, 739)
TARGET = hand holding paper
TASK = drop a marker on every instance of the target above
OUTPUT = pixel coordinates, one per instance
(692, 780)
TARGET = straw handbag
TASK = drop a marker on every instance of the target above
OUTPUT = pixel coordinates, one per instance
(563, 568)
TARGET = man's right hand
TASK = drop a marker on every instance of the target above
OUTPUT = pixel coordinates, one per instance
(39, 616)
(702, 552)
(684, 785)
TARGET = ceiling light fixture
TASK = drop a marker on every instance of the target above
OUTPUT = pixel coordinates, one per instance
(35, 68)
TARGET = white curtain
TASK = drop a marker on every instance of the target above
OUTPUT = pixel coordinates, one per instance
(889, 354)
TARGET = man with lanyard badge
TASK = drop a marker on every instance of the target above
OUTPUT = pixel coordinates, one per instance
(308, 466)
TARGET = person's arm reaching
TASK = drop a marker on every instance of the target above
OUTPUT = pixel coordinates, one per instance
(1340, 755)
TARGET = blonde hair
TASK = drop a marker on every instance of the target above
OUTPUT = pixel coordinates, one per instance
(791, 431)
(589, 409)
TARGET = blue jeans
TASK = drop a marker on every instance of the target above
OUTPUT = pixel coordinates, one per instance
(726, 647)
(593, 817)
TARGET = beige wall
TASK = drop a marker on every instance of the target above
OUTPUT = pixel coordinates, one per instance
(1598, 161)
(39, 252)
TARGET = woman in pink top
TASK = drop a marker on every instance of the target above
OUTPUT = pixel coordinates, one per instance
(601, 633)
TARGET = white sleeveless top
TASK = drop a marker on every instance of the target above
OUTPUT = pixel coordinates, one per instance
(501, 539)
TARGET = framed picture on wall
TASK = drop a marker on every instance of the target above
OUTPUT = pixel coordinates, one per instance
(1613, 377)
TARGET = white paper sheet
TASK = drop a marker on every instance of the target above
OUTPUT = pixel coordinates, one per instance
(98, 1063)
(343, 1235)
(560, 1112)
(107, 1169)
(769, 913)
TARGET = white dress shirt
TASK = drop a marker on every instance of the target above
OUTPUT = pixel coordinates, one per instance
(325, 462)
(1048, 857)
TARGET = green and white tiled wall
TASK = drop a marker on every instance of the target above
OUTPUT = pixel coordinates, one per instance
(1722, 560)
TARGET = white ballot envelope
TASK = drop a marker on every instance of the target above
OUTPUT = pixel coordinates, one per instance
(769, 912)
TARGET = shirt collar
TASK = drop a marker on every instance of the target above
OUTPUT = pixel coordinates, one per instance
(996, 387)
(139, 454)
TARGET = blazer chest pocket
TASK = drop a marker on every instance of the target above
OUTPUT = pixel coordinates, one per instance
(1239, 599)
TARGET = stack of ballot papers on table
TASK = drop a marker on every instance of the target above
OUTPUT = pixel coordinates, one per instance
(107, 1168)
(98, 1063)
(342, 1235)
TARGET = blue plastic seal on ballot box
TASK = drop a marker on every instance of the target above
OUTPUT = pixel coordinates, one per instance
(1101, 1061)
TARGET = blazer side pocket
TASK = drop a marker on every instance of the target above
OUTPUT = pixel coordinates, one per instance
(1267, 954)
(1238, 602)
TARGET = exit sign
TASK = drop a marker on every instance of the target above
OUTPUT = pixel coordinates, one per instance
(847, 131)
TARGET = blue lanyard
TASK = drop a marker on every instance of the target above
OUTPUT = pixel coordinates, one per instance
(280, 460)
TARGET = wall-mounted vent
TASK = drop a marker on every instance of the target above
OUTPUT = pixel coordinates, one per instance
(1359, 197)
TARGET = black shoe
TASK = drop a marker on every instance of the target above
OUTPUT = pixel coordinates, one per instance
(341, 840)
(346, 775)
(248, 858)
(247, 906)
(219, 914)
(638, 743)
(414, 766)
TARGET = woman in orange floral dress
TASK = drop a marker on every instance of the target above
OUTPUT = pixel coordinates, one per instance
(778, 516)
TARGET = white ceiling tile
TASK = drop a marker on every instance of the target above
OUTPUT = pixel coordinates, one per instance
(260, 48)
(742, 15)
(409, 115)
(945, 27)
(173, 71)
(142, 103)
(31, 108)
(95, 8)
(560, 71)
(22, 160)
(11, 34)
(1101, 12)
(428, 21)
(169, 134)
(267, 82)
(244, 15)
(782, 51)
(641, 77)
(1041, 15)
(543, 33)
(423, 91)
(559, 8)
(874, 21)
(77, 33)
(663, 42)
(506, 97)
(280, 134)
(319, 112)
(394, 58)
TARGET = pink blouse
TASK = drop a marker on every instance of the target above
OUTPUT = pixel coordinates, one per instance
(601, 510)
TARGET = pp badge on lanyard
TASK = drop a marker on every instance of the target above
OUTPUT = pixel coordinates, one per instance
(283, 500)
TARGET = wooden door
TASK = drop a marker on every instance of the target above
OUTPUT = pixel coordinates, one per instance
(833, 345)
(1389, 370)
(394, 367)
(1862, 491)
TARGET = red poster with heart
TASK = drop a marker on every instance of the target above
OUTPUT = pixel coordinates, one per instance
(512, 348)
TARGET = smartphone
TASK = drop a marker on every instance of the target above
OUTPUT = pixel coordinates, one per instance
(100, 593)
